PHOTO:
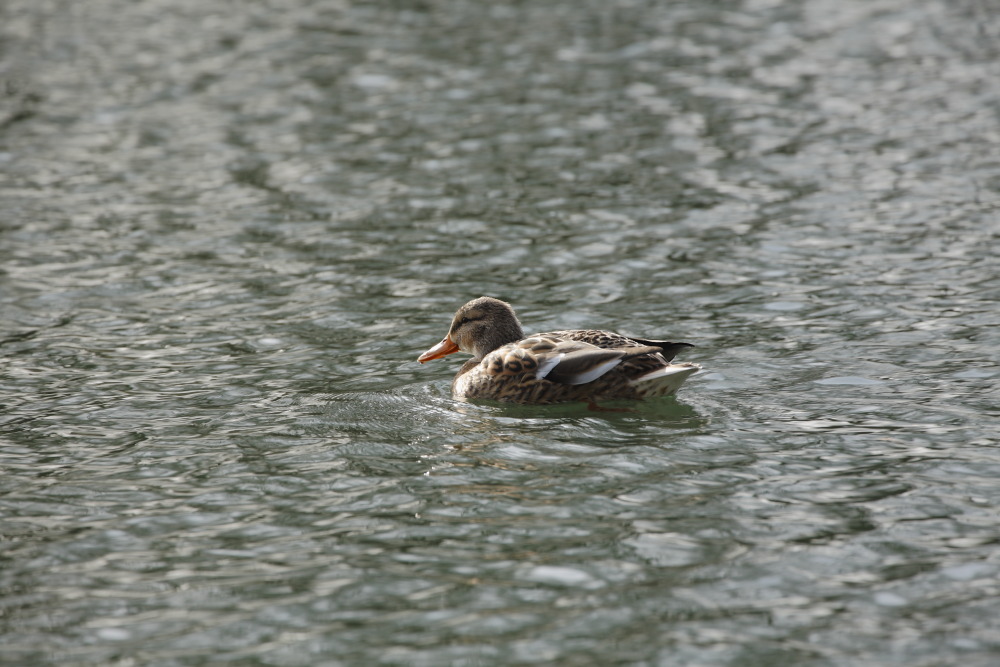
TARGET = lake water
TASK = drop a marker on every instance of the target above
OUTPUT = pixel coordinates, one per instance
(228, 229)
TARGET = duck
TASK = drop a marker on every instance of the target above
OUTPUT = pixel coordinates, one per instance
(587, 365)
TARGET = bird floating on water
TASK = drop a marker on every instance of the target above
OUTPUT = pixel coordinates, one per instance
(555, 367)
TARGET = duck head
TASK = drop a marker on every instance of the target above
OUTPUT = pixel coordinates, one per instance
(479, 327)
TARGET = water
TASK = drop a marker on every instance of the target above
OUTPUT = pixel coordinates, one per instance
(228, 231)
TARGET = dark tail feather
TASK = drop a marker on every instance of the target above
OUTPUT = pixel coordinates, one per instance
(669, 350)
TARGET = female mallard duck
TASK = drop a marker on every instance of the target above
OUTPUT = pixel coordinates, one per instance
(555, 367)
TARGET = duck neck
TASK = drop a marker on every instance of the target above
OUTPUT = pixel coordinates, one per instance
(508, 332)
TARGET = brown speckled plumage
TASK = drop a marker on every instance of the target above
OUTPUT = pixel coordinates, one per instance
(555, 367)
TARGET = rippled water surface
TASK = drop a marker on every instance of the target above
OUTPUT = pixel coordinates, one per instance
(227, 231)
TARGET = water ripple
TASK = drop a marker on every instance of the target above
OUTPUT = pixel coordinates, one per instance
(224, 246)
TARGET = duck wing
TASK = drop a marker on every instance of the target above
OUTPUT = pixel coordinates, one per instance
(583, 366)
(612, 340)
(560, 360)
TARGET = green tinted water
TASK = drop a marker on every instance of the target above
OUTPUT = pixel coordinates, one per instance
(227, 233)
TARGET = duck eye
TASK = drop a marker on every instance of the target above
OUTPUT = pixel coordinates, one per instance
(464, 320)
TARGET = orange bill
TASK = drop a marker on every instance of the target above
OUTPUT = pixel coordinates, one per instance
(444, 348)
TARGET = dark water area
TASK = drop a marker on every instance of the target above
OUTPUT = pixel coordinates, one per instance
(228, 229)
